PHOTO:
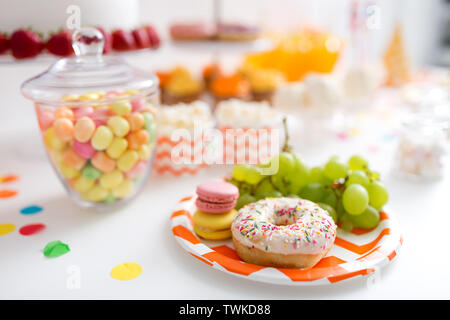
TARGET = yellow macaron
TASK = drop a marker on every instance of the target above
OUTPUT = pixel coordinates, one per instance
(214, 221)
(211, 234)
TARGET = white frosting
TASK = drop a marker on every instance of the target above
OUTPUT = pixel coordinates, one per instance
(289, 96)
(50, 15)
(284, 225)
(322, 93)
(192, 116)
(361, 81)
(236, 113)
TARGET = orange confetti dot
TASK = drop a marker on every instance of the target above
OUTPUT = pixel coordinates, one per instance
(9, 178)
(8, 193)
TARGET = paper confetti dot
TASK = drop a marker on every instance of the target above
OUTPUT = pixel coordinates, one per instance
(7, 193)
(9, 178)
(6, 228)
(55, 249)
(31, 210)
(126, 271)
(31, 229)
(342, 136)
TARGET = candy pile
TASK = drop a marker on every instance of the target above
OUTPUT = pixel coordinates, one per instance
(184, 116)
(102, 150)
(236, 113)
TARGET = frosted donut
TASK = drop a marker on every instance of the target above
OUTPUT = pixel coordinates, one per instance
(283, 232)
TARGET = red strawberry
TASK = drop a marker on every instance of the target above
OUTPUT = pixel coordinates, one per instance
(123, 40)
(141, 37)
(153, 35)
(25, 44)
(107, 47)
(4, 43)
(60, 44)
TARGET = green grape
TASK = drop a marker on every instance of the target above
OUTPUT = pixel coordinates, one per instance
(285, 163)
(292, 195)
(335, 169)
(240, 171)
(378, 195)
(357, 176)
(313, 192)
(279, 183)
(253, 176)
(340, 209)
(316, 175)
(346, 223)
(274, 194)
(358, 163)
(264, 187)
(245, 188)
(329, 198)
(373, 175)
(368, 219)
(355, 199)
(330, 210)
(244, 199)
(298, 177)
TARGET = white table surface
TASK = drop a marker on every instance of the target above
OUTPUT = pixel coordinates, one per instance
(141, 231)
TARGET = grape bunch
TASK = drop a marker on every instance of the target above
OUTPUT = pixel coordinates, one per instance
(351, 193)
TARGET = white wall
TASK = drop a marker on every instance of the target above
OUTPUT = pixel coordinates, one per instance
(419, 17)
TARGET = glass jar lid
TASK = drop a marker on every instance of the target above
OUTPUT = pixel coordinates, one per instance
(88, 71)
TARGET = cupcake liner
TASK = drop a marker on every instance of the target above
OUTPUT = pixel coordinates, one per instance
(168, 158)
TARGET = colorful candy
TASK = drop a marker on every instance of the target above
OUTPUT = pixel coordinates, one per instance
(95, 194)
(90, 172)
(124, 189)
(64, 112)
(121, 108)
(127, 160)
(137, 170)
(102, 162)
(73, 159)
(137, 139)
(83, 184)
(83, 112)
(84, 129)
(102, 138)
(101, 149)
(84, 149)
(112, 179)
(119, 126)
(117, 147)
(136, 121)
(51, 141)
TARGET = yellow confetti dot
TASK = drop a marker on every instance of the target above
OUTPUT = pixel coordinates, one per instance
(6, 228)
(126, 271)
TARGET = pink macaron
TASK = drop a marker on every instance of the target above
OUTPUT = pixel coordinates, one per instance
(216, 197)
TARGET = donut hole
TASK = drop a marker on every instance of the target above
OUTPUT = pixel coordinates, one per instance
(284, 216)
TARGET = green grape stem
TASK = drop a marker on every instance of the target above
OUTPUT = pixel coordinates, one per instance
(286, 147)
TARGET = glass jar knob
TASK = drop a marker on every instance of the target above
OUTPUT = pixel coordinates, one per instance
(88, 42)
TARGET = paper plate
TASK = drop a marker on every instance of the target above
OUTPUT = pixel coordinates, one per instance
(353, 255)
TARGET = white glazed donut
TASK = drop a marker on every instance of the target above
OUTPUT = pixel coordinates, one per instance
(283, 232)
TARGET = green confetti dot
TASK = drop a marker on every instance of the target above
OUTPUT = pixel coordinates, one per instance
(55, 249)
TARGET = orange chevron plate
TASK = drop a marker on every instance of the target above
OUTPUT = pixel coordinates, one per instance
(355, 254)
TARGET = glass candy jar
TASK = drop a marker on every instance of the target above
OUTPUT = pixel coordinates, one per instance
(421, 150)
(96, 118)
